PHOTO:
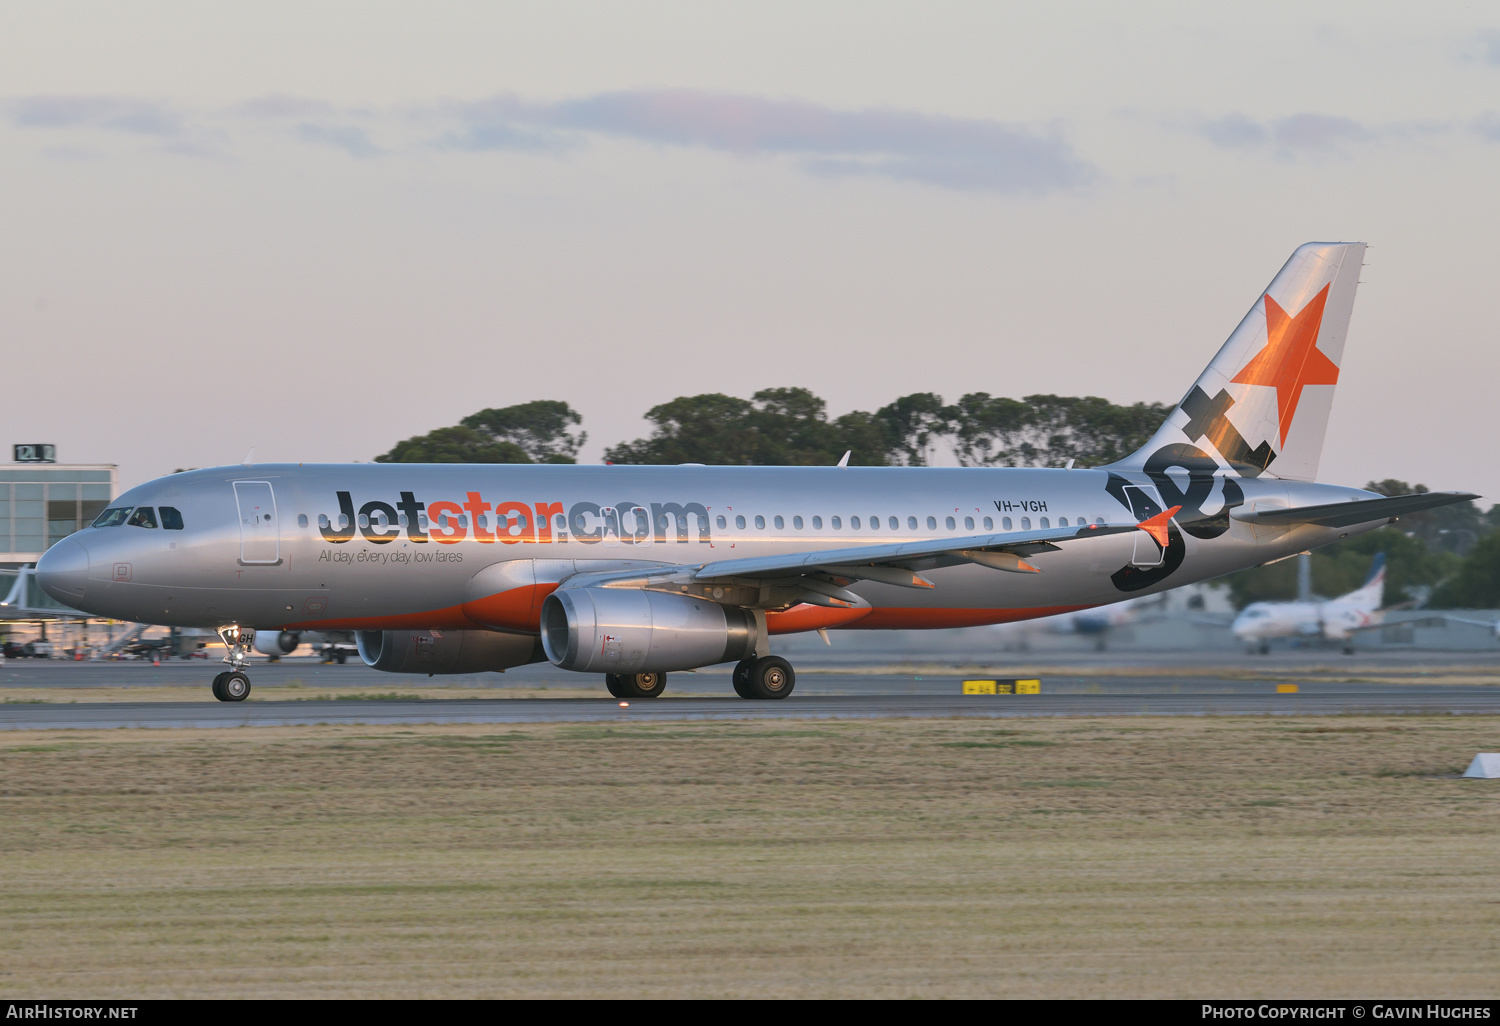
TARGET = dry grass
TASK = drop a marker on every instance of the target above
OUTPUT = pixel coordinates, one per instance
(1070, 857)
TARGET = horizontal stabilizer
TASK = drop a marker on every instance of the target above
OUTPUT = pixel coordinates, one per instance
(1347, 514)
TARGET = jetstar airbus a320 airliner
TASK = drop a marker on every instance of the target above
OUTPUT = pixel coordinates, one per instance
(634, 572)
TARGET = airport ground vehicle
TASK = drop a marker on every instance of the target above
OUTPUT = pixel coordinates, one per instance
(635, 572)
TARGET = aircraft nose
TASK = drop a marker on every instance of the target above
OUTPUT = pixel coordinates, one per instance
(63, 571)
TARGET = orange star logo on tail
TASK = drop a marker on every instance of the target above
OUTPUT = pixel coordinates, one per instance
(1291, 358)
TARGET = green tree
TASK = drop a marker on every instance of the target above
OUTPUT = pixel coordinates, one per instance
(454, 445)
(547, 430)
(775, 427)
(913, 425)
(1343, 566)
(1049, 430)
(1476, 584)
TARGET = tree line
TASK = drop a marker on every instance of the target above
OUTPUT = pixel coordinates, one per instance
(791, 427)
(1448, 557)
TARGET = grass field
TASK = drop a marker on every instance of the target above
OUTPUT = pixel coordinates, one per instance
(1061, 857)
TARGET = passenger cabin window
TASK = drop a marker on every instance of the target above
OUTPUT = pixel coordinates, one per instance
(722, 523)
(911, 523)
(1025, 523)
(1099, 521)
(739, 522)
(760, 523)
(896, 524)
(1005, 522)
(780, 523)
(853, 523)
(875, 523)
(989, 523)
(817, 523)
(837, 524)
(797, 523)
(951, 524)
(301, 518)
(1045, 523)
(1062, 521)
(968, 523)
(932, 523)
(171, 519)
(144, 516)
(112, 517)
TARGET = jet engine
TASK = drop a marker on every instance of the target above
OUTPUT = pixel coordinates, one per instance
(619, 630)
(432, 652)
(277, 643)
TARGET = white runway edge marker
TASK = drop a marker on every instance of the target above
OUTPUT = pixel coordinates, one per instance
(1485, 764)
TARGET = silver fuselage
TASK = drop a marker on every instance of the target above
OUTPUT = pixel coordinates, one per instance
(303, 567)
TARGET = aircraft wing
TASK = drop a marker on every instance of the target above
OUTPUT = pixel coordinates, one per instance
(1347, 514)
(819, 577)
(1005, 551)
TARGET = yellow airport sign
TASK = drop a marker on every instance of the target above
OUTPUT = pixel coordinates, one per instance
(1002, 687)
(1286, 689)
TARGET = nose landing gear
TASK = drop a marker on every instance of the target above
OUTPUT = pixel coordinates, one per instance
(233, 685)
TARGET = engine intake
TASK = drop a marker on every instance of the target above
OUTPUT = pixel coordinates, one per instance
(446, 651)
(277, 643)
(618, 630)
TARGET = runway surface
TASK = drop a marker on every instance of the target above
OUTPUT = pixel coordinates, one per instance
(1168, 690)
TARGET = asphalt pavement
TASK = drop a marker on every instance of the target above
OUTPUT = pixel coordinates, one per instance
(1172, 689)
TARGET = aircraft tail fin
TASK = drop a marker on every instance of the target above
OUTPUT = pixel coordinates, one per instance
(1370, 595)
(1261, 406)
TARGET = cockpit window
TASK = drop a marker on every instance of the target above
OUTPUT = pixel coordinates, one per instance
(112, 517)
(171, 519)
(144, 516)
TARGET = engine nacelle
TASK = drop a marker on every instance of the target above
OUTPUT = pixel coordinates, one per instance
(446, 651)
(277, 643)
(620, 630)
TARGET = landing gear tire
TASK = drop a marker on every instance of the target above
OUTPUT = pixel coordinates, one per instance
(771, 677)
(741, 677)
(231, 686)
(635, 685)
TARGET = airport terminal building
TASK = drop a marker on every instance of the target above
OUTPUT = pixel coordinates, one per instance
(42, 501)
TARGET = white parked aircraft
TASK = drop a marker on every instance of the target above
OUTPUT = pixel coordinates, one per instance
(1334, 619)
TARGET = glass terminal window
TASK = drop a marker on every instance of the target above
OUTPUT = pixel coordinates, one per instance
(144, 516)
(113, 517)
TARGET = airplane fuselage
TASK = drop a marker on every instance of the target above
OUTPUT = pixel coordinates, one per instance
(433, 546)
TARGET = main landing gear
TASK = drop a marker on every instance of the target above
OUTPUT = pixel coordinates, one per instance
(233, 685)
(766, 677)
(635, 685)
